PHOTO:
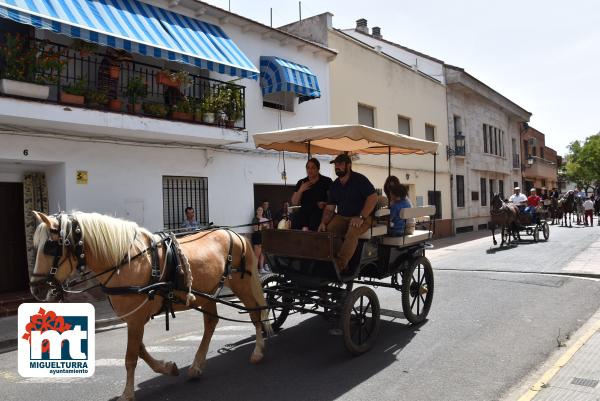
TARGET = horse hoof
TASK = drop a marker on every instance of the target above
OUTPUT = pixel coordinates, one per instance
(256, 358)
(171, 369)
(194, 372)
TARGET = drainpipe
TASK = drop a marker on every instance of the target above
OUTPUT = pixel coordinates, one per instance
(450, 164)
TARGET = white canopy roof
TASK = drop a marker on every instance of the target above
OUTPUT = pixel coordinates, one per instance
(334, 139)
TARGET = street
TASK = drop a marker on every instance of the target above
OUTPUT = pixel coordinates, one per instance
(497, 315)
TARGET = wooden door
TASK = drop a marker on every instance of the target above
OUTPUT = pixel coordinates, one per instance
(13, 253)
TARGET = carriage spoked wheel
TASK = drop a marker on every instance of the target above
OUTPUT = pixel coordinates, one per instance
(417, 290)
(360, 319)
(536, 234)
(546, 230)
(277, 313)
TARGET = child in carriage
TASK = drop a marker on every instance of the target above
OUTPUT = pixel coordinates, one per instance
(398, 196)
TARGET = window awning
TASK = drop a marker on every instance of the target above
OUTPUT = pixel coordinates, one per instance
(279, 75)
(136, 27)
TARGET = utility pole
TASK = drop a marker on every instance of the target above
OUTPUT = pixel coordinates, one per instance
(271, 17)
(300, 11)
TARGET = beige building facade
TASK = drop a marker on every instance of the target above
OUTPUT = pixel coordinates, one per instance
(370, 87)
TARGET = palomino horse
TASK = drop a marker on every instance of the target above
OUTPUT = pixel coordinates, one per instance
(504, 215)
(109, 244)
(567, 205)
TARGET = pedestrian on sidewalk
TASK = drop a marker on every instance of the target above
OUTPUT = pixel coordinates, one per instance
(588, 207)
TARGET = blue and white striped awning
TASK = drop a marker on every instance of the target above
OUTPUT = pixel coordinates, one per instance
(279, 75)
(136, 27)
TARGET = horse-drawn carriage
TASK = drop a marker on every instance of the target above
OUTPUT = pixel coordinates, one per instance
(514, 221)
(305, 277)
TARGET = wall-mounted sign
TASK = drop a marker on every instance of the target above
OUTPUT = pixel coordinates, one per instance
(82, 177)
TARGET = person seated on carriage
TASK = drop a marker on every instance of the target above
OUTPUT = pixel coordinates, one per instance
(544, 195)
(533, 201)
(398, 196)
(355, 198)
(311, 194)
(555, 193)
(518, 198)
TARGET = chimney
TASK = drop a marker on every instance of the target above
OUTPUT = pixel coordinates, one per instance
(377, 32)
(361, 26)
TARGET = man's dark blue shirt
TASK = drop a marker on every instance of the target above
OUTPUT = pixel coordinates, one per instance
(351, 197)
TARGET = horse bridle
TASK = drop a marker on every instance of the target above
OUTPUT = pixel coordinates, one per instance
(54, 248)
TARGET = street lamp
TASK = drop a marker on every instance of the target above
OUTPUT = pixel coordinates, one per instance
(530, 161)
(459, 146)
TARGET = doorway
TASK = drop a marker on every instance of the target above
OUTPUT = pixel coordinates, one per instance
(14, 270)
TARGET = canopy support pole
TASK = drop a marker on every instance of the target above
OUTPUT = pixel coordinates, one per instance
(308, 150)
(389, 161)
(435, 199)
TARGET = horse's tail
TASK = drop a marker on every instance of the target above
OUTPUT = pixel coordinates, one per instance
(256, 286)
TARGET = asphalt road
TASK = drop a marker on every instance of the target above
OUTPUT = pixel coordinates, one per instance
(495, 318)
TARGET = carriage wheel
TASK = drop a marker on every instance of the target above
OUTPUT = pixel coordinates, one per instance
(360, 319)
(546, 230)
(417, 290)
(277, 314)
(536, 234)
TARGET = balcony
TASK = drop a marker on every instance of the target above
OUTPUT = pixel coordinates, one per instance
(516, 161)
(459, 144)
(83, 76)
(536, 167)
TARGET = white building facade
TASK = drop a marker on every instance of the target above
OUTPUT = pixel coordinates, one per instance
(484, 132)
(148, 169)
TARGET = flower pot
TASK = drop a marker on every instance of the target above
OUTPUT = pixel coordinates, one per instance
(208, 118)
(134, 108)
(114, 71)
(115, 104)
(71, 99)
(25, 89)
(84, 53)
(177, 115)
(164, 79)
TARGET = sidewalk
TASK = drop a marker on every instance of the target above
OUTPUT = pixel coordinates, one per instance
(575, 375)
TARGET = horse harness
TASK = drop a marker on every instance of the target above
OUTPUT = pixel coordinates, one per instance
(165, 288)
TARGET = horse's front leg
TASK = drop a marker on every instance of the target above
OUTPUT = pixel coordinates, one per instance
(210, 323)
(494, 234)
(166, 368)
(135, 334)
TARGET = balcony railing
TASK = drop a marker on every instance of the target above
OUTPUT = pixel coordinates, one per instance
(516, 161)
(109, 80)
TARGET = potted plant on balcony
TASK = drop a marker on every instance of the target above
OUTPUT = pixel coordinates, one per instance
(179, 79)
(75, 92)
(50, 63)
(84, 48)
(233, 104)
(115, 104)
(97, 98)
(136, 90)
(182, 110)
(155, 109)
(207, 109)
(18, 58)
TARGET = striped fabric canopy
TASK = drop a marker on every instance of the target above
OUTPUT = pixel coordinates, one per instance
(136, 27)
(279, 75)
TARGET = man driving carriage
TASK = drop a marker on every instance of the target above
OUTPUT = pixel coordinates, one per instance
(518, 198)
(355, 198)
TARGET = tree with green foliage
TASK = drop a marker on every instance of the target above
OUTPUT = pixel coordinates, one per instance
(583, 163)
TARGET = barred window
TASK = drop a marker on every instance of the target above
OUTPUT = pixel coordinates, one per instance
(181, 192)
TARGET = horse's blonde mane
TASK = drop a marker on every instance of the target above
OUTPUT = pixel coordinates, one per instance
(110, 239)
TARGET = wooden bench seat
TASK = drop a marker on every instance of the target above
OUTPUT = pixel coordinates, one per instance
(410, 239)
